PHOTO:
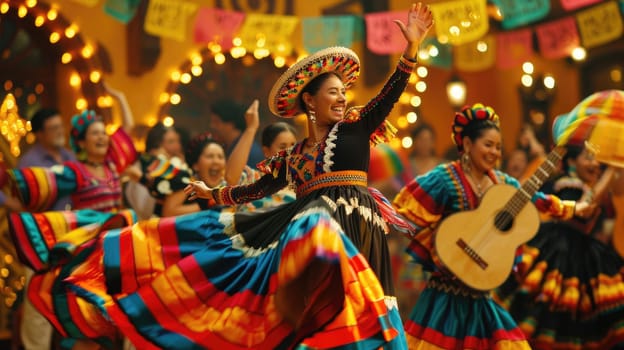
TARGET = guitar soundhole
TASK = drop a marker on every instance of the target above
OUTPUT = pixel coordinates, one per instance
(503, 221)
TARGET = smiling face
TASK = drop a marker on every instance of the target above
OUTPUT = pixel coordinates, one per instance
(485, 151)
(587, 167)
(210, 165)
(282, 141)
(329, 103)
(96, 140)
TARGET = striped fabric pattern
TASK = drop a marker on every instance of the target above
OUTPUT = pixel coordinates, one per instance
(172, 290)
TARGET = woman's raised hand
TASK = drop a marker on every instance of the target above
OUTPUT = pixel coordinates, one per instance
(419, 21)
(198, 189)
(252, 118)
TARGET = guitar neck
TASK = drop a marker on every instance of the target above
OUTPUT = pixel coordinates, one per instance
(528, 189)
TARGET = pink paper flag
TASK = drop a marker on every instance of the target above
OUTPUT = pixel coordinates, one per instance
(513, 48)
(570, 5)
(558, 38)
(383, 36)
(217, 25)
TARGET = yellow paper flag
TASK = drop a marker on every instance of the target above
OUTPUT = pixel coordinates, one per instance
(476, 56)
(168, 18)
(270, 33)
(600, 24)
(461, 21)
(89, 3)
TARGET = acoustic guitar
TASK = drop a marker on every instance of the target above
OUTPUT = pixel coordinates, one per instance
(478, 246)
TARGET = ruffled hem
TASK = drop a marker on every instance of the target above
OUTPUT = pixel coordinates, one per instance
(576, 274)
(447, 317)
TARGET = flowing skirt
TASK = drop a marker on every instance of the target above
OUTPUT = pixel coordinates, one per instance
(568, 292)
(288, 277)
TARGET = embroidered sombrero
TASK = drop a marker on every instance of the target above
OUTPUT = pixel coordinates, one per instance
(283, 98)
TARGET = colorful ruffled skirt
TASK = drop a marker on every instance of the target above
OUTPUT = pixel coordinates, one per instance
(568, 292)
(449, 315)
(290, 277)
(53, 244)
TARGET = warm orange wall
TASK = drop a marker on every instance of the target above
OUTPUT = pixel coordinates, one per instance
(491, 87)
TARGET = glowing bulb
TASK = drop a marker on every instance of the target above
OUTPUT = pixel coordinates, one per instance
(407, 142)
(74, 80)
(527, 68)
(175, 76)
(196, 59)
(279, 61)
(215, 48)
(87, 51)
(197, 70)
(482, 46)
(421, 86)
(95, 76)
(81, 103)
(31, 3)
(71, 31)
(413, 79)
(168, 121)
(175, 99)
(237, 41)
(415, 101)
(434, 51)
(549, 82)
(151, 121)
(185, 78)
(526, 80)
(39, 21)
(219, 58)
(4, 7)
(422, 71)
(52, 14)
(39, 88)
(411, 117)
(454, 30)
(579, 54)
(22, 11)
(66, 58)
(54, 37)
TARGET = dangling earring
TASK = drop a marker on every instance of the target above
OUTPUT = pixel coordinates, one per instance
(312, 115)
(572, 170)
(465, 159)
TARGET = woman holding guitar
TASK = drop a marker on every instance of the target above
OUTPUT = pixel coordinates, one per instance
(568, 292)
(449, 314)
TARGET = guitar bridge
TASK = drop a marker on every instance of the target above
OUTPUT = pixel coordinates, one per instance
(472, 254)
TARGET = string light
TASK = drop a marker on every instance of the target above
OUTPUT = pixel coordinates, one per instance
(12, 126)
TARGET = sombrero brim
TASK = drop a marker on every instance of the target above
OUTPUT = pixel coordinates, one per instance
(283, 98)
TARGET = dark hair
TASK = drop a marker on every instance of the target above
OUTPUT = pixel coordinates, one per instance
(572, 152)
(230, 112)
(155, 136)
(314, 86)
(39, 118)
(196, 147)
(271, 131)
(476, 128)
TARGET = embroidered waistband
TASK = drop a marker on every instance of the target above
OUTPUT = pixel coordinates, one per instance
(455, 287)
(336, 178)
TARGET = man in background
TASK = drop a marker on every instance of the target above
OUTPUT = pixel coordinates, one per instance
(49, 150)
(227, 122)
